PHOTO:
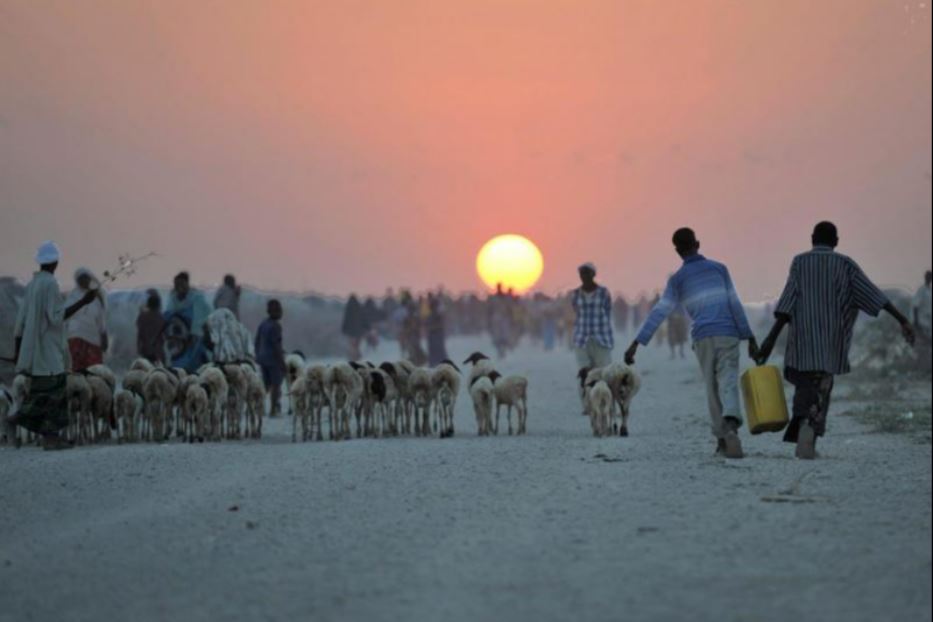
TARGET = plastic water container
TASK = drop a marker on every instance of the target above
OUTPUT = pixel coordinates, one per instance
(765, 404)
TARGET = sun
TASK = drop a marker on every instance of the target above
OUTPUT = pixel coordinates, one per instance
(512, 261)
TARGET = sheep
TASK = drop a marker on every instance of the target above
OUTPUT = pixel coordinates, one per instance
(184, 420)
(345, 392)
(78, 392)
(481, 393)
(104, 373)
(600, 405)
(422, 393)
(445, 384)
(317, 378)
(255, 400)
(364, 409)
(294, 367)
(20, 391)
(198, 410)
(127, 406)
(298, 405)
(159, 393)
(511, 392)
(215, 383)
(624, 382)
(400, 372)
(385, 397)
(141, 364)
(236, 398)
(101, 406)
(481, 366)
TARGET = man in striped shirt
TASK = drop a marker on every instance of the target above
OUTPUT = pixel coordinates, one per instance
(824, 293)
(705, 290)
(592, 333)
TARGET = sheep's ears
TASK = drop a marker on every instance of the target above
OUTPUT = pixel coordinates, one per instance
(475, 358)
(583, 373)
(451, 363)
(494, 375)
(388, 368)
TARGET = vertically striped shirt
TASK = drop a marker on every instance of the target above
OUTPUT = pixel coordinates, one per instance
(594, 317)
(705, 290)
(824, 293)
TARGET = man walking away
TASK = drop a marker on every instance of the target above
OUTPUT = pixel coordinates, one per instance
(922, 309)
(228, 296)
(270, 354)
(822, 298)
(593, 340)
(705, 290)
(40, 351)
(87, 328)
(150, 328)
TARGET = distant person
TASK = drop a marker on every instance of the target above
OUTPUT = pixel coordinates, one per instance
(87, 328)
(150, 329)
(355, 326)
(436, 331)
(678, 327)
(228, 296)
(593, 339)
(922, 308)
(270, 354)
(822, 298)
(374, 319)
(39, 336)
(705, 290)
(186, 312)
(499, 320)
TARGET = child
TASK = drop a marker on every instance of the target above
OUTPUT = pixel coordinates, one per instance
(270, 355)
(150, 329)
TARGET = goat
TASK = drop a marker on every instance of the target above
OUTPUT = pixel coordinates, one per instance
(511, 392)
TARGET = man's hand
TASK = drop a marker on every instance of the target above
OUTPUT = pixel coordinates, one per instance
(910, 335)
(630, 353)
(764, 352)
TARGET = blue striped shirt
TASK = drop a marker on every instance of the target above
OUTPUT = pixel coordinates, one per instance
(824, 293)
(704, 289)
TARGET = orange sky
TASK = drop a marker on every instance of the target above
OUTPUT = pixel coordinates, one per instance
(348, 145)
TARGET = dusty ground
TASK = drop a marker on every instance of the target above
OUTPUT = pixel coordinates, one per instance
(553, 526)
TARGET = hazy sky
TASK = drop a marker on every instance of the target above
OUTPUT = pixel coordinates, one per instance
(350, 145)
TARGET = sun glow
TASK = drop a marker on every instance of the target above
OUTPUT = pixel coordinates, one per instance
(512, 261)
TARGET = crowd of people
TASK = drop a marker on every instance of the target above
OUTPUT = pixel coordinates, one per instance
(824, 293)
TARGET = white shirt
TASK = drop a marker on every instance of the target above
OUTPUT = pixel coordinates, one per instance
(89, 323)
(923, 301)
(40, 324)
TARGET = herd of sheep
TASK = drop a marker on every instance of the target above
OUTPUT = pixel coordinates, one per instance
(398, 398)
(228, 401)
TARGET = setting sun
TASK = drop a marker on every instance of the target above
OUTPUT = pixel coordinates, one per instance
(511, 260)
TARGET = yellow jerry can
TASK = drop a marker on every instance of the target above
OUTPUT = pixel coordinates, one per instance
(765, 404)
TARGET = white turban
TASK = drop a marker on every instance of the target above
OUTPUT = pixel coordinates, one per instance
(589, 266)
(47, 253)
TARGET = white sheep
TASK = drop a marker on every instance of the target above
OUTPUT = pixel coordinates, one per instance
(198, 411)
(298, 405)
(400, 372)
(624, 382)
(127, 407)
(255, 400)
(159, 394)
(236, 399)
(422, 395)
(317, 378)
(345, 392)
(482, 395)
(445, 384)
(215, 383)
(511, 392)
(141, 364)
(294, 367)
(480, 366)
(600, 405)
